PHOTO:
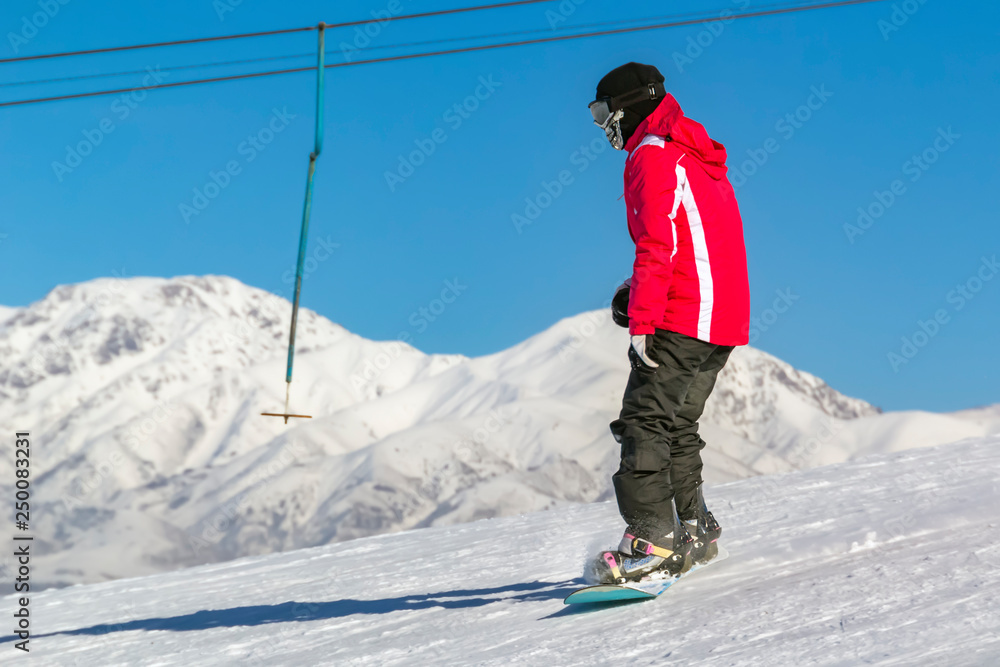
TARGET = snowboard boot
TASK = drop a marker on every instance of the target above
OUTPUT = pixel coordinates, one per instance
(705, 530)
(637, 557)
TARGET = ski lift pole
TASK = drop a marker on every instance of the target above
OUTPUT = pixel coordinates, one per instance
(303, 234)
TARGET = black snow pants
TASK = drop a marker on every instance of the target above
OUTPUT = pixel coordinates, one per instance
(658, 430)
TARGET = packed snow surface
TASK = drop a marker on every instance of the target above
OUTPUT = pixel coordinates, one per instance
(889, 560)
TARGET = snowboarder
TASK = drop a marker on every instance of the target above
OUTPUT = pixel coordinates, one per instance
(686, 306)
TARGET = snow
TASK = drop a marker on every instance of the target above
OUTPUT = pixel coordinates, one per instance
(892, 559)
(146, 393)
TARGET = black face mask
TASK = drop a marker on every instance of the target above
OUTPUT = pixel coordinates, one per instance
(609, 111)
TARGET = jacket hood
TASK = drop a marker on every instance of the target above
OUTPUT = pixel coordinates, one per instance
(668, 120)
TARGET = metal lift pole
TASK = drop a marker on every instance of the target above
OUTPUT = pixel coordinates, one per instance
(303, 234)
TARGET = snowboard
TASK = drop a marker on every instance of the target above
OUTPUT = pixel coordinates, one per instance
(645, 589)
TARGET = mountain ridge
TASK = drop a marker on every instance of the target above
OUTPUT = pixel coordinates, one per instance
(147, 393)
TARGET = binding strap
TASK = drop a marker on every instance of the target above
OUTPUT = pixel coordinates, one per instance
(645, 547)
(609, 558)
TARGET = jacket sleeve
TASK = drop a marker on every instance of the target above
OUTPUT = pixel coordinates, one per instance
(653, 189)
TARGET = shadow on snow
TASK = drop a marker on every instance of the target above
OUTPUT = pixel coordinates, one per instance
(287, 612)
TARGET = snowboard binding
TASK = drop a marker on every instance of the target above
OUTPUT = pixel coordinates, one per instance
(642, 559)
(706, 532)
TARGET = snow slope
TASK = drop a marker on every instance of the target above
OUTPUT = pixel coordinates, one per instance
(890, 560)
(145, 395)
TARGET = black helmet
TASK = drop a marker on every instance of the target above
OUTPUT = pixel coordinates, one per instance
(625, 97)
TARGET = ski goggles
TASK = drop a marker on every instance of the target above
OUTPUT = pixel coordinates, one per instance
(607, 110)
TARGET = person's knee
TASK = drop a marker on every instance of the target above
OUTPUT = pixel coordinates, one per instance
(686, 441)
(686, 473)
(645, 455)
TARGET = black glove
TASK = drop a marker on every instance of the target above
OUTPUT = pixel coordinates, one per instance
(619, 304)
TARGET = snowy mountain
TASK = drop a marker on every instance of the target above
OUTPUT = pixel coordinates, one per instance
(143, 396)
(891, 560)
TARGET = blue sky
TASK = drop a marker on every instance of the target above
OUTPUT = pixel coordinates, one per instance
(849, 298)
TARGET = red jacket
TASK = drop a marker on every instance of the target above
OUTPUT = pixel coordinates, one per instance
(690, 271)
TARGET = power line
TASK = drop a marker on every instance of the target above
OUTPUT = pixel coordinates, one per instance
(132, 47)
(224, 63)
(467, 49)
(217, 79)
(534, 31)
(617, 31)
(197, 40)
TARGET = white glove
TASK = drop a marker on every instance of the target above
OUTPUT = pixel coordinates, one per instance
(639, 345)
